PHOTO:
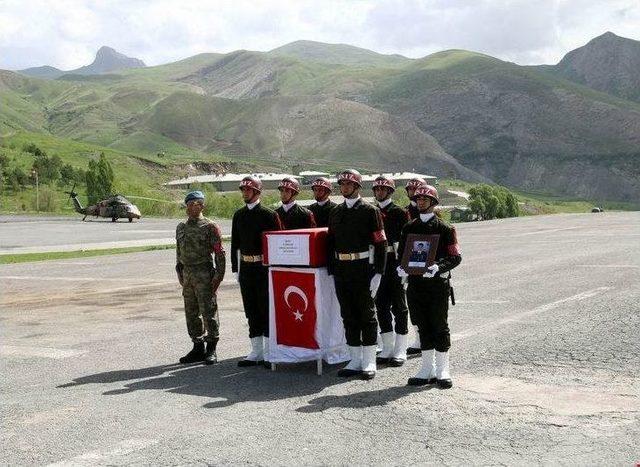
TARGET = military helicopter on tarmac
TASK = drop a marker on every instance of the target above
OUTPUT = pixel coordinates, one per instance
(114, 207)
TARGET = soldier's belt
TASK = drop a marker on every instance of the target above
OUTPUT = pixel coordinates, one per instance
(251, 258)
(352, 256)
(391, 249)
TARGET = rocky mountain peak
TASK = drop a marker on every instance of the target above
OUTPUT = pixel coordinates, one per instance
(108, 60)
(608, 63)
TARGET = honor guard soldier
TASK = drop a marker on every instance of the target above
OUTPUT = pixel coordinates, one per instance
(246, 263)
(292, 216)
(391, 302)
(356, 247)
(200, 264)
(321, 187)
(411, 187)
(428, 295)
(412, 209)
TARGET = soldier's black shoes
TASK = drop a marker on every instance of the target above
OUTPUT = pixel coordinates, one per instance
(396, 362)
(421, 381)
(210, 356)
(266, 364)
(445, 383)
(196, 354)
(347, 373)
(413, 351)
(367, 375)
(247, 363)
(383, 360)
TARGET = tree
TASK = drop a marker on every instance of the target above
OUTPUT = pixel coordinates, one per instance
(99, 179)
(490, 202)
(17, 178)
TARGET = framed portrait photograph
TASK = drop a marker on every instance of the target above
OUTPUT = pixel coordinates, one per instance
(419, 253)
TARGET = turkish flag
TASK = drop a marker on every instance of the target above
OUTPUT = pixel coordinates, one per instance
(294, 299)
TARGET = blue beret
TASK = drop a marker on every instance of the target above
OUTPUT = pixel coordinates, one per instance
(193, 195)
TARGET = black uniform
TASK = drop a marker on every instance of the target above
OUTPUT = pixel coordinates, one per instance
(352, 230)
(246, 237)
(413, 211)
(391, 296)
(296, 218)
(429, 298)
(321, 212)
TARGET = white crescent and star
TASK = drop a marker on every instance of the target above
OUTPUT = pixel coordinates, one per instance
(292, 289)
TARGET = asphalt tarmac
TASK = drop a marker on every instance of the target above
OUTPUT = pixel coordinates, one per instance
(544, 361)
(32, 234)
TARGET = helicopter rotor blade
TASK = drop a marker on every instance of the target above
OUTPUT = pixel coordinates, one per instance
(152, 199)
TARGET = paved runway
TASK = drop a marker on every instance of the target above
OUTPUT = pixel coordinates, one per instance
(545, 365)
(30, 234)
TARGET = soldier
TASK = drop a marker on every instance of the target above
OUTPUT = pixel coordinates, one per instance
(391, 298)
(411, 188)
(354, 225)
(428, 295)
(246, 263)
(412, 209)
(290, 213)
(321, 187)
(197, 240)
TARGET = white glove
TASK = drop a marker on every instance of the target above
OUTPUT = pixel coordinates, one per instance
(375, 283)
(236, 277)
(401, 272)
(431, 271)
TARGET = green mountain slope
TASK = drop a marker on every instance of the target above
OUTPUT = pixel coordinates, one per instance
(454, 113)
(338, 54)
(518, 126)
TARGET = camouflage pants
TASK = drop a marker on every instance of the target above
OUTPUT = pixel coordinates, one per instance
(200, 304)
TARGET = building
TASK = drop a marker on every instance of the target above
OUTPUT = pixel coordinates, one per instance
(229, 182)
(309, 176)
(270, 181)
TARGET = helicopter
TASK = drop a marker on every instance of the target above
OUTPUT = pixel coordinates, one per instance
(114, 207)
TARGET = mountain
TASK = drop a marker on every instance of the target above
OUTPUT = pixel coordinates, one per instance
(339, 54)
(44, 72)
(455, 113)
(608, 63)
(520, 127)
(107, 60)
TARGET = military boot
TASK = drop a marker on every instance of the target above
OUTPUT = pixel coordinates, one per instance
(399, 350)
(387, 347)
(210, 356)
(195, 355)
(354, 367)
(368, 362)
(442, 370)
(256, 355)
(427, 373)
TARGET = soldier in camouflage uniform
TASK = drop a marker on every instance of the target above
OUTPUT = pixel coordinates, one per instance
(198, 245)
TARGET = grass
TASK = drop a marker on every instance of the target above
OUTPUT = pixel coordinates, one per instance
(50, 256)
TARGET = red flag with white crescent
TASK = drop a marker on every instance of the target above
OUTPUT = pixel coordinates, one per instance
(294, 298)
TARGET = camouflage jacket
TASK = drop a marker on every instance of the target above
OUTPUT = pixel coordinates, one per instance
(199, 242)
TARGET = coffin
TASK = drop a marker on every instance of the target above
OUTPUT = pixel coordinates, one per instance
(301, 247)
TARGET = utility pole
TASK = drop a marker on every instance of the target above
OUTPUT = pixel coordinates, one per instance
(34, 172)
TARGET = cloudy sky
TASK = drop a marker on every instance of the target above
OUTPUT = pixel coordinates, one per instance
(67, 33)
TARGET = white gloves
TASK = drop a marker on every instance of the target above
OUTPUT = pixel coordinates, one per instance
(401, 272)
(375, 283)
(236, 276)
(431, 271)
(404, 277)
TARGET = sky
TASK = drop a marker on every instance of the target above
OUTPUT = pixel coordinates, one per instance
(67, 33)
